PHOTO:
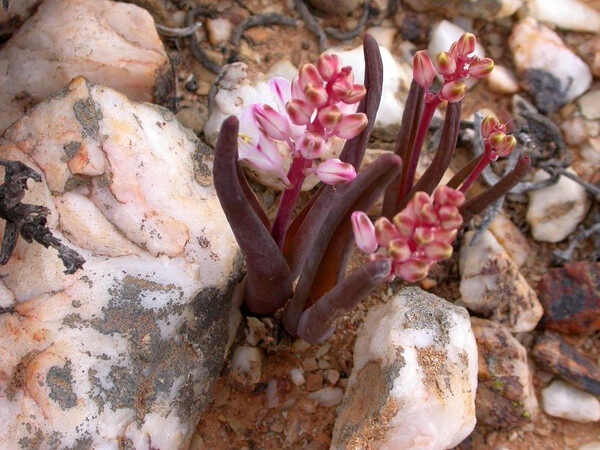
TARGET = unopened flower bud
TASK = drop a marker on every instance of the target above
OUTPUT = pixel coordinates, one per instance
(411, 270)
(350, 125)
(450, 218)
(489, 125)
(309, 75)
(427, 214)
(329, 65)
(385, 231)
(329, 116)
(405, 222)
(448, 236)
(342, 84)
(355, 94)
(481, 67)
(423, 69)
(454, 91)
(334, 171)
(311, 146)
(438, 251)
(316, 95)
(272, 122)
(466, 44)
(423, 235)
(399, 250)
(446, 64)
(445, 195)
(300, 112)
(506, 147)
(419, 200)
(364, 232)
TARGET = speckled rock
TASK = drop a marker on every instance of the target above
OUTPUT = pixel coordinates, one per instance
(566, 14)
(414, 377)
(570, 296)
(491, 285)
(505, 393)
(484, 9)
(563, 400)
(555, 211)
(17, 13)
(552, 73)
(511, 239)
(125, 351)
(45, 54)
(553, 354)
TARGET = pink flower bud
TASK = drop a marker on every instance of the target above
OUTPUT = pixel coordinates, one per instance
(399, 250)
(355, 94)
(445, 195)
(447, 236)
(423, 69)
(419, 200)
(265, 156)
(297, 90)
(454, 91)
(309, 75)
(481, 67)
(271, 122)
(411, 270)
(427, 214)
(351, 125)
(423, 235)
(451, 222)
(364, 231)
(342, 85)
(489, 125)
(316, 95)
(334, 171)
(385, 231)
(446, 64)
(300, 112)
(447, 212)
(329, 116)
(329, 65)
(405, 222)
(438, 251)
(311, 146)
(466, 44)
(505, 146)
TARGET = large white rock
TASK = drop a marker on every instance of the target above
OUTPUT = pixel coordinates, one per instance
(511, 239)
(17, 12)
(115, 44)
(562, 400)
(414, 377)
(485, 9)
(567, 14)
(555, 211)
(535, 46)
(492, 285)
(123, 352)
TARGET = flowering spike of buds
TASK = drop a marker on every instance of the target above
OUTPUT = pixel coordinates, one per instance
(364, 232)
(300, 112)
(438, 251)
(329, 65)
(481, 67)
(446, 64)
(466, 44)
(334, 171)
(316, 95)
(423, 69)
(271, 122)
(311, 146)
(329, 116)
(411, 270)
(399, 250)
(309, 75)
(350, 125)
(385, 231)
(454, 91)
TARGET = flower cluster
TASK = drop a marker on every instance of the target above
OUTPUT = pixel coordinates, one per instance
(417, 237)
(316, 106)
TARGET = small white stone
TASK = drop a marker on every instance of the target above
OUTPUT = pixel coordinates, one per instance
(297, 377)
(589, 105)
(555, 211)
(590, 446)
(383, 35)
(443, 35)
(575, 131)
(246, 365)
(328, 396)
(219, 31)
(563, 400)
(503, 80)
(300, 345)
(283, 68)
(511, 239)
(566, 14)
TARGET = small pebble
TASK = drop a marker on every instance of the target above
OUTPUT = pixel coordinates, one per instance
(332, 376)
(503, 80)
(563, 400)
(219, 31)
(323, 350)
(300, 346)
(575, 131)
(246, 366)
(314, 382)
(283, 68)
(307, 405)
(328, 397)
(297, 377)
(589, 105)
(310, 364)
(323, 364)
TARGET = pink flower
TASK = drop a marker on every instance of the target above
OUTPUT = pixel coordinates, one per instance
(334, 171)
(423, 69)
(364, 232)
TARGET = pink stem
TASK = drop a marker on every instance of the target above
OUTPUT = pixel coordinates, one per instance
(408, 173)
(476, 171)
(289, 198)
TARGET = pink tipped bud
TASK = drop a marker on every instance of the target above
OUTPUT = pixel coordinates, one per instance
(399, 250)
(411, 270)
(405, 222)
(329, 65)
(481, 67)
(506, 146)
(300, 112)
(272, 122)
(341, 85)
(385, 231)
(489, 125)
(419, 200)
(309, 75)
(447, 236)
(445, 195)
(311, 146)
(351, 125)
(454, 91)
(329, 116)
(453, 51)
(427, 214)
(334, 171)
(423, 235)
(446, 64)
(316, 95)
(438, 251)
(355, 94)
(423, 69)
(466, 44)
(447, 212)
(364, 232)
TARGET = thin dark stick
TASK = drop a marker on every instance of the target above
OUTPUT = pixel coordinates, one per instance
(177, 32)
(312, 24)
(193, 42)
(261, 21)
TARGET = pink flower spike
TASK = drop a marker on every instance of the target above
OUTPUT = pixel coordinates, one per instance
(334, 171)
(481, 67)
(438, 251)
(446, 64)
(411, 270)
(329, 65)
(466, 44)
(454, 91)
(300, 112)
(423, 69)
(311, 146)
(309, 75)
(271, 122)
(385, 231)
(248, 133)
(316, 95)
(364, 232)
(351, 125)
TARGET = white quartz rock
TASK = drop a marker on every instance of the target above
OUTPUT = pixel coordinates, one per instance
(502, 80)
(60, 42)
(555, 211)
(492, 285)
(510, 237)
(246, 366)
(562, 400)
(443, 35)
(566, 14)
(535, 46)
(414, 377)
(126, 349)
(17, 12)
